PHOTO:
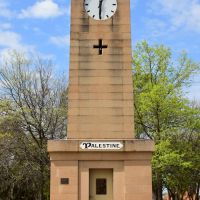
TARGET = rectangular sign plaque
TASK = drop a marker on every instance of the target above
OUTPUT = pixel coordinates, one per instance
(101, 145)
(64, 181)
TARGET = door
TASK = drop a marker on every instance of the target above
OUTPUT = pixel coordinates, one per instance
(101, 184)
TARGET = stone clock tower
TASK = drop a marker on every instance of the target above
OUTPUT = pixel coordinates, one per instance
(100, 160)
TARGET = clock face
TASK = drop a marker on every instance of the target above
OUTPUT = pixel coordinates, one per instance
(100, 9)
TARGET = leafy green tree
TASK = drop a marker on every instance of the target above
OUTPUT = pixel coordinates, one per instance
(163, 114)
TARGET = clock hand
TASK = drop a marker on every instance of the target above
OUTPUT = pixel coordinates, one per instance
(100, 8)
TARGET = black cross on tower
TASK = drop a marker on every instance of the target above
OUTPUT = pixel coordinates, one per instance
(100, 46)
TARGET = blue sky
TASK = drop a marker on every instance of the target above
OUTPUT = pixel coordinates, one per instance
(42, 27)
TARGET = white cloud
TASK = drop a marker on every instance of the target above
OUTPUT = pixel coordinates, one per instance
(4, 10)
(5, 26)
(11, 40)
(60, 41)
(42, 9)
(181, 13)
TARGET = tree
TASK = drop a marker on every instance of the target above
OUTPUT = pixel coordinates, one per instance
(19, 172)
(162, 113)
(38, 99)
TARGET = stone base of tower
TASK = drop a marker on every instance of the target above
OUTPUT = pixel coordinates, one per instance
(128, 171)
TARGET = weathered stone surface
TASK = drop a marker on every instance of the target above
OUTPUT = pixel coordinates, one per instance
(100, 109)
(100, 86)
